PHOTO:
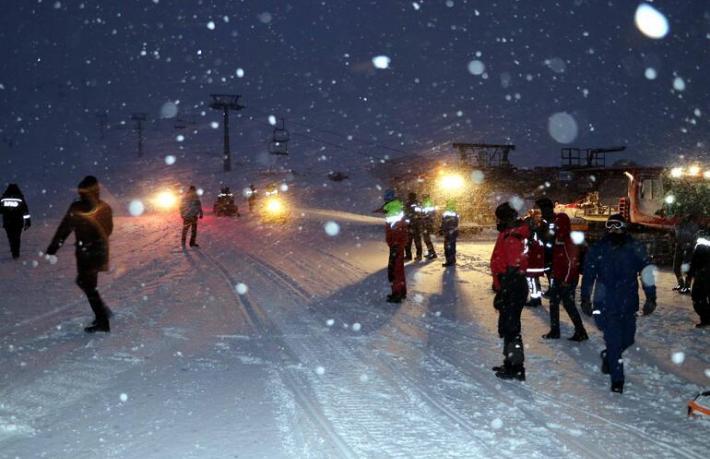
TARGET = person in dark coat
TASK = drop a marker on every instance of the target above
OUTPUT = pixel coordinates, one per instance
(190, 211)
(450, 230)
(565, 275)
(91, 221)
(536, 259)
(251, 199)
(612, 267)
(427, 213)
(412, 215)
(396, 234)
(547, 235)
(699, 274)
(508, 267)
(685, 233)
(15, 217)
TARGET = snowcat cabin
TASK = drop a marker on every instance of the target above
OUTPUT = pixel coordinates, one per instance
(686, 192)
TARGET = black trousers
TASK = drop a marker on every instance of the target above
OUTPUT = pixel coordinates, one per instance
(701, 298)
(415, 235)
(88, 280)
(450, 249)
(189, 223)
(510, 301)
(564, 293)
(14, 235)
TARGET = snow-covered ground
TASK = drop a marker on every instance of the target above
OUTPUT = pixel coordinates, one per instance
(305, 359)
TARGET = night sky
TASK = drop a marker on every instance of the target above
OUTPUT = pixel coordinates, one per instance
(311, 62)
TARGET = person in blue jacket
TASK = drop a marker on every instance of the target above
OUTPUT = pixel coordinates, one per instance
(612, 267)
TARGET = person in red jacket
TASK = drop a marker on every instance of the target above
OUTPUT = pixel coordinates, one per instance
(508, 265)
(397, 236)
(565, 276)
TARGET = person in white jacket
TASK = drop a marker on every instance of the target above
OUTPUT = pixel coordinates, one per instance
(190, 211)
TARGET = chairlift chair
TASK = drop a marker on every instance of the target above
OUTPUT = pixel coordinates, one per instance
(279, 140)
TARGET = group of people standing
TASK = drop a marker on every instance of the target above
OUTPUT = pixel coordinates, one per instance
(406, 224)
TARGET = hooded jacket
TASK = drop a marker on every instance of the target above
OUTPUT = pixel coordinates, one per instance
(565, 253)
(14, 208)
(700, 263)
(536, 249)
(91, 221)
(190, 206)
(510, 254)
(613, 270)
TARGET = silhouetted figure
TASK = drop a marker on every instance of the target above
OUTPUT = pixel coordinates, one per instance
(252, 198)
(508, 267)
(450, 230)
(699, 274)
(91, 221)
(190, 211)
(685, 233)
(412, 216)
(613, 266)
(427, 214)
(15, 217)
(396, 233)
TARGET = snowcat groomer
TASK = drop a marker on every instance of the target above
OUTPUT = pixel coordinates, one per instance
(224, 206)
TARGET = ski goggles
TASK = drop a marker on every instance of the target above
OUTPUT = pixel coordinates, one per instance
(615, 225)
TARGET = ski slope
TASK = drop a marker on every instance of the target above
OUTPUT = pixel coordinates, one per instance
(305, 359)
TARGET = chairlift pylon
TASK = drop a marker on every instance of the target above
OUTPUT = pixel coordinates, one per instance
(279, 140)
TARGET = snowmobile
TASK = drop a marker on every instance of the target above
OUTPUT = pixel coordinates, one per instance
(699, 406)
(224, 206)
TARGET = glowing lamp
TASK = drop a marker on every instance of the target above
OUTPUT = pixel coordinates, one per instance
(670, 199)
(706, 175)
(165, 200)
(677, 172)
(694, 170)
(275, 206)
(451, 182)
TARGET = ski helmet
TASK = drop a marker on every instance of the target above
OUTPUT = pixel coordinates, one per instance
(389, 195)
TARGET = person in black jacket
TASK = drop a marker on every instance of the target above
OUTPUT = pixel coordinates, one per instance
(412, 215)
(700, 275)
(450, 230)
(685, 233)
(91, 221)
(16, 217)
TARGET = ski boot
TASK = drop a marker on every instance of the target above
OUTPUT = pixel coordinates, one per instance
(552, 334)
(534, 303)
(617, 387)
(508, 372)
(579, 336)
(98, 328)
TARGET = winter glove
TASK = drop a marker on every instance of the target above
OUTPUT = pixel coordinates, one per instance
(648, 307)
(586, 306)
(28, 223)
(498, 302)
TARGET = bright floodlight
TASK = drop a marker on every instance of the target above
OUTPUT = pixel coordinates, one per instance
(165, 200)
(275, 206)
(670, 199)
(677, 172)
(694, 170)
(451, 182)
(706, 175)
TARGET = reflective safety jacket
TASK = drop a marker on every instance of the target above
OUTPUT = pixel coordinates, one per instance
(565, 254)
(510, 253)
(14, 210)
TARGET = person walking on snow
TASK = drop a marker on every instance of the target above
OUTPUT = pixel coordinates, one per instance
(699, 274)
(190, 210)
(547, 235)
(91, 221)
(508, 266)
(565, 275)
(536, 259)
(15, 217)
(428, 210)
(252, 198)
(450, 230)
(612, 267)
(412, 215)
(397, 234)
(685, 233)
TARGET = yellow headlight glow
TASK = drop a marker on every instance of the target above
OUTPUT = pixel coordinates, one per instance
(165, 200)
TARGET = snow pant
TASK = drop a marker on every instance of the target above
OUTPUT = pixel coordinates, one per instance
(681, 256)
(88, 280)
(426, 235)
(14, 235)
(619, 333)
(510, 301)
(534, 287)
(561, 292)
(450, 249)
(252, 202)
(189, 223)
(395, 272)
(415, 235)
(701, 298)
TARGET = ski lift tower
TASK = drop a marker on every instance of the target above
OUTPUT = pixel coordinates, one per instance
(226, 102)
(485, 155)
(139, 118)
